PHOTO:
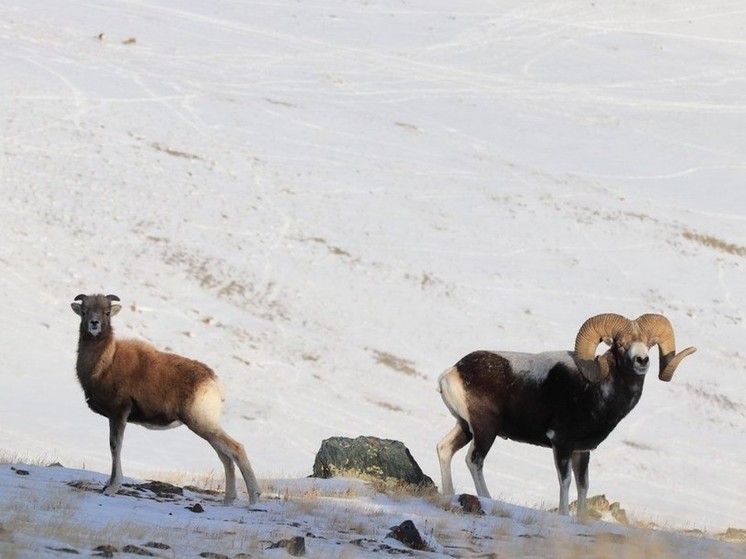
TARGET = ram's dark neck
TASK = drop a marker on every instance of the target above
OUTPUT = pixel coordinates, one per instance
(622, 394)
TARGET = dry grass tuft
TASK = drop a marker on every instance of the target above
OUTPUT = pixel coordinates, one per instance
(387, 405)
(398, 490)
(734, 535)
(11, 457)
(715, 243)
(397, 363)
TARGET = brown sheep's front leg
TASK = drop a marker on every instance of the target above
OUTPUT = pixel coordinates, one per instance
(116, 435)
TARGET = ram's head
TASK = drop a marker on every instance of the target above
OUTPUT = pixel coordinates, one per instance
(629, 341)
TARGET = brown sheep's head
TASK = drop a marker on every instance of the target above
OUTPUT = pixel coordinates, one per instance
(630, 341)
(95, 313)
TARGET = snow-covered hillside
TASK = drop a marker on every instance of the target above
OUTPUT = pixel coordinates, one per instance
(331, 202)
(56, 512)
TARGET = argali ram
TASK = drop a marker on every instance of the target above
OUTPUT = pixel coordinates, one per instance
(567, 400)
(130, 381)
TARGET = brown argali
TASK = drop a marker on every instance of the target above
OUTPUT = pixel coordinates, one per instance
(131, 381)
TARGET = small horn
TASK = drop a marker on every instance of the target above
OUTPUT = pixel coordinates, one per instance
(597, 329)
(660, 331)
(80, 297)
(113, 298)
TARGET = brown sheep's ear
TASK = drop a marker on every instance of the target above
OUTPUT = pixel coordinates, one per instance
(115, 309)
(77, 308)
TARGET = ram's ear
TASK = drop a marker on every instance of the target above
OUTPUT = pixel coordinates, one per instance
(115, 309)
(608, 340)
(77, 308)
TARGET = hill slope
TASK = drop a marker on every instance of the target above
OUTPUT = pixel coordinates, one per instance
(331, 203)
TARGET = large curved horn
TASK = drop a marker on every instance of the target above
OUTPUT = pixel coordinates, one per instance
(597, 329)
(660, 332)
(113, 298)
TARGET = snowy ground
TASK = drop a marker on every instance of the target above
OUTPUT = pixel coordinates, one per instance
(53, 512)
(331, 202)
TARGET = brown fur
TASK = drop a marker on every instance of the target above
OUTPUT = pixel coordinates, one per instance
(131, 381)
(159, 387)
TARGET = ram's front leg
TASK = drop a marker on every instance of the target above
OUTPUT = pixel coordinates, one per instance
(562, 462)
(116, 435)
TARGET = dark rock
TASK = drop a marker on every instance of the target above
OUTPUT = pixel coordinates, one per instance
(202, 490)
(294, 546)
(196, 507)
(69, 550)
(407, 533)
(135, 550)
(211, 555)
(157, 545)
(20, 472)
(369, 457)
(105, 551)
(83, 485)
(160, 488)
(470, 504)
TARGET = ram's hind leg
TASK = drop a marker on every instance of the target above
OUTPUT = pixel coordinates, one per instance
(455, 440)
(484, 436)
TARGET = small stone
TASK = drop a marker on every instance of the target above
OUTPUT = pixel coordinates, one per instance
(294, 546)
(157, 545)
(20, 472)
(618, 513)
(196, 507)
(135, 550)
(470, 504)
(407, 533)
(105, 551)
(160, 488)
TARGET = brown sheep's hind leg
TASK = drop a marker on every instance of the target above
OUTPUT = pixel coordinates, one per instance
(235, 453)
(203, 418)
